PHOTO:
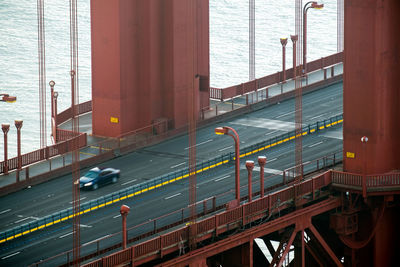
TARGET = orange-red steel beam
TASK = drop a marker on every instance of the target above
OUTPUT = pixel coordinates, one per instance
(324, 245)
(262, 230)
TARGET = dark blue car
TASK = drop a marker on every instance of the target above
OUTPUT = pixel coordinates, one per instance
(97, 177)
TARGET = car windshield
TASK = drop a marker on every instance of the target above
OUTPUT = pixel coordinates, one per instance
(91, 174)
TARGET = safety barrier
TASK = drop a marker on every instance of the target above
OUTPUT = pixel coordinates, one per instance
(211, 205)
(366, 183)
(267, 81)
(167, 179)
(67, 114)
(213, 226)
(46, 152)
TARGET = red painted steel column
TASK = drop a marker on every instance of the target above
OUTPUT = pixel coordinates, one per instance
(262, 160)
(283, 42)
(5, 127)
(124, 210)
(18, 125)
(371, 103)
(249, 166)
(145, 54)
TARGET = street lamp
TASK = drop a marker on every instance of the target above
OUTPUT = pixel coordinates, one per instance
(283, 42)
(249, 167)
(52, 83)
(5, 127)
(294, 39)
(308, 5)
(18, 125)
(262, 160)
(228, 131)
(124, 210)
(7, 98)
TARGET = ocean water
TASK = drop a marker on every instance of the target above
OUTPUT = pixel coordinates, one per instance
(229, 52)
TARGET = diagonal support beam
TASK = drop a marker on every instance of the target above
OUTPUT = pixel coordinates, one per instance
(314, 255)
(325, 245)
(291, 239)
(270, 247)
(277, 252)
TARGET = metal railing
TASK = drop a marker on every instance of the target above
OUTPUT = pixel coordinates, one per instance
(46, 152)
(262, 208)
(67, 114)
(205, 207)
(269, 80)
(163, 180)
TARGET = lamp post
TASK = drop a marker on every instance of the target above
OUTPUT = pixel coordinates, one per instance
(54, 96)
(249, 167)
(7, 98)
(283, 42)
(18, 125)
(124, 210)
(52, 83)
(228, 131)
(55, 117)
(5, 127)
(72, 73)
(262, 160)
(294, 39)
(307, 6)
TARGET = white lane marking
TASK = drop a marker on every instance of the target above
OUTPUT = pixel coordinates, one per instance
(79, 200)
(131, 181)
(271, 160)
(337, 134)
(266, 124)
(225, 148)
(316, 117)
(91, 242)
(282, 115)
(66, 235)
(11, 255)
(271, 133)
(116, 216)
(4, 211)
(177, 165)
(316, 144)
(210, 140)
(222, 178)
(85, 226)
(306, 162)
(268, 170)
(172, 196)
(26, 218)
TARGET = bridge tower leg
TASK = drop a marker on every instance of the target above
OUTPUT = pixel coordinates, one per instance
(371, 106)
(371, 102)
(146, 56)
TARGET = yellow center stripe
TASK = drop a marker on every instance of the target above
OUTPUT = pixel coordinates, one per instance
(162, 184)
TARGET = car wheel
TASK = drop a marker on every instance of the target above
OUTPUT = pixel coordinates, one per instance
(95, 186)
(114, 180)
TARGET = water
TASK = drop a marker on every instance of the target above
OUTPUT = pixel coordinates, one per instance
(228, 52)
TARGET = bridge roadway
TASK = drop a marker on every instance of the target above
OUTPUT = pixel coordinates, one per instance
(41, 200)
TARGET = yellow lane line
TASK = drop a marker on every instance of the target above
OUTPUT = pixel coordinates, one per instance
(160, 184)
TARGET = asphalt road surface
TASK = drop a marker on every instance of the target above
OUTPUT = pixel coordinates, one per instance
(44, 199)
